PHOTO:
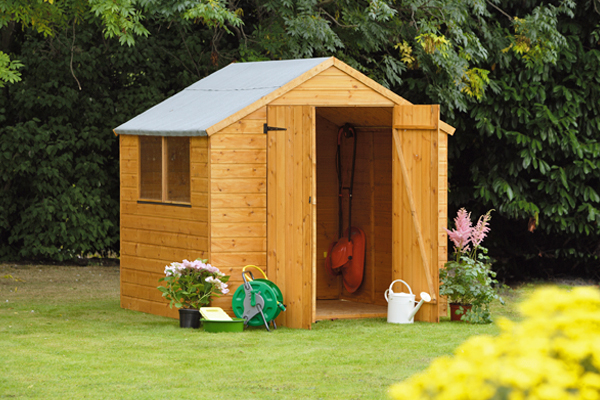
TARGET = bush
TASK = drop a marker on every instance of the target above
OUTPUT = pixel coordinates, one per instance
(553, 354)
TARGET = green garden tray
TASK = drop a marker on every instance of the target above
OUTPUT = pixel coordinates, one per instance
(235, 325)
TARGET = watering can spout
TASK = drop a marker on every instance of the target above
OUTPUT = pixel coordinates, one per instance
(424, 297)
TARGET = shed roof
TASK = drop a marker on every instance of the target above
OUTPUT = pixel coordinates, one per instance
(212, 99)
(233, 92)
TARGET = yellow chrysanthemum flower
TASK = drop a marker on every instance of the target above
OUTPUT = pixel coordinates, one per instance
(553, 354)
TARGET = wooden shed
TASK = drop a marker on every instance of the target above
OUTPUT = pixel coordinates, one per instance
(240, 168)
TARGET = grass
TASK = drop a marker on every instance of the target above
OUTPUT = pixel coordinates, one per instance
(64, 335)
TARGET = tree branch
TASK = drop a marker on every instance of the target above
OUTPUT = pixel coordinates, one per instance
(335, 20)
(502, 11)
(72, 51)
(189, 52)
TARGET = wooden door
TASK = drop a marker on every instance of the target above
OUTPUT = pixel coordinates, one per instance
(291, 214)
(416, 218)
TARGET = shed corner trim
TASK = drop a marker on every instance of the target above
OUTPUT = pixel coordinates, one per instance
(447, 128)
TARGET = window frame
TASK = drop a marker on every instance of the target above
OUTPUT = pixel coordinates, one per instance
(164, 175)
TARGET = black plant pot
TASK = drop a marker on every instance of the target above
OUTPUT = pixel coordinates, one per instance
(189, 318)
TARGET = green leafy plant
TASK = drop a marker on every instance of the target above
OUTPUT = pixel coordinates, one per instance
(192, 284)
(468, 278)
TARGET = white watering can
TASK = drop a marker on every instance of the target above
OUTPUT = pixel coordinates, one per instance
(401, 308)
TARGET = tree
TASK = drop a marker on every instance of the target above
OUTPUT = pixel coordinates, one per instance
(121, 19)
(532, 152)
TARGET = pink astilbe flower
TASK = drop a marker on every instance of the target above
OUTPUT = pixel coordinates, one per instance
(461, 235)
(481, 229)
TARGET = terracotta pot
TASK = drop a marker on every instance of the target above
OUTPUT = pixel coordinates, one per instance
(189, 318)
(455, 307)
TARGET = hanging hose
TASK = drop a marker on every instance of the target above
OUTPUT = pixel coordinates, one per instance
(348, 131)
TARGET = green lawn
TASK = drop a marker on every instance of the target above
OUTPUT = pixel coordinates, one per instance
(63, 335)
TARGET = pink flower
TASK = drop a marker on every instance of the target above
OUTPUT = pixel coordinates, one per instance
(461, 235)
(481, 229)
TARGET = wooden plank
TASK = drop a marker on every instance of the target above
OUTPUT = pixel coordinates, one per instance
(242, 185)
(129, 194)
(150, 307)
(144, 265)
(142, 278)
(369, 82)
(244, 126)
(238, 215)
(198, 154)
(239, 171)
(239, 141)
(198, 228)
(129, 180)
(336, 309)
(417, 117)
(238, 156)
(447, 128)
(129, 153)
(149, 293)
(161, 238)
(198, 170)
(268, 98)
(413, 212)
(324, 98)
(225, 200)
(340, 81)
(128, 141)
(238, 259)
(129, 166)
(159, 252)
(261, 113)
(239, 230)
(181, 214)
(224, 245)
(200, 201)
(309, 121)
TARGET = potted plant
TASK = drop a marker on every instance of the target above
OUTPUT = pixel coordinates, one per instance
(189, 285)
(467, 279)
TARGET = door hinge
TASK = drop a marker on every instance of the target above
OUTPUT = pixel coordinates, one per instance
(267, 128)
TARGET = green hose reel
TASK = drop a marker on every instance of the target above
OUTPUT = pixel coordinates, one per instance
(257, 301)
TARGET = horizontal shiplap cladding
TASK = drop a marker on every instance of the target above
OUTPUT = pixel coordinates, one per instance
(238, 158)
(155, 235)
(147, 272)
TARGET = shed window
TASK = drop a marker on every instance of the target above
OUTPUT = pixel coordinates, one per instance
(165, 169)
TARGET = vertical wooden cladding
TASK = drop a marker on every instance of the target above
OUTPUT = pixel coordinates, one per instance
(154, 235)
(415, 254)
(442, 210)
(290, 203)
(238, 198)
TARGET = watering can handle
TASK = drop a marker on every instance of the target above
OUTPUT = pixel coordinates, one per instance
(392, 284)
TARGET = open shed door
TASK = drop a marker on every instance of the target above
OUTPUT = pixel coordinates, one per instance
(291, 215)
(415, 222)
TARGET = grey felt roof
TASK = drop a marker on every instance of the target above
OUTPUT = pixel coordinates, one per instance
(216, 97)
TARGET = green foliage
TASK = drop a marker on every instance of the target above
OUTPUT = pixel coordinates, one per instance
(470, 280)
(532, 152)
(9, 70)
(120, 19)
(58, 156)
(519, 79)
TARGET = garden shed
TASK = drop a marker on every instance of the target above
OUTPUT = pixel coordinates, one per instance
(240, 168)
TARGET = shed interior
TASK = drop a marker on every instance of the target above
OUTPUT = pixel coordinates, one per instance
(371, 207)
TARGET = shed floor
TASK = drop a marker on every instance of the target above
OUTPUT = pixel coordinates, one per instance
(344, 309)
